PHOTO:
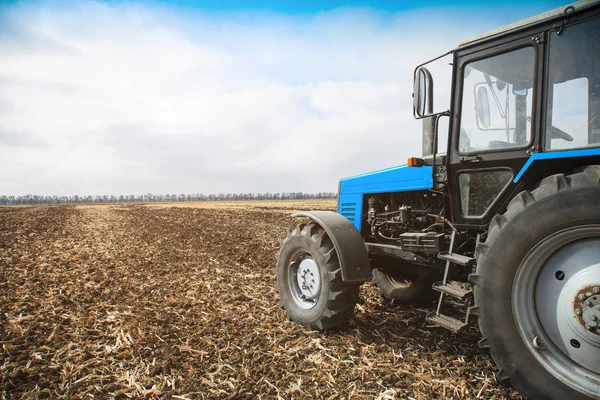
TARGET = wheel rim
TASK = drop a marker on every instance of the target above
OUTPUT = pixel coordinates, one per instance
(557, 306)
(304, 280)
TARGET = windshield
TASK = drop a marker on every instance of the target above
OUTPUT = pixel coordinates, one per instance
(496, 102)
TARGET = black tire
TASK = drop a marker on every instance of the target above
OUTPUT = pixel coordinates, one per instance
(334, 305)
(396, 287)
(559, 204)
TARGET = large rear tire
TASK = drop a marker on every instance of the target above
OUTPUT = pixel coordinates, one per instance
(309, 280)
(536, 271)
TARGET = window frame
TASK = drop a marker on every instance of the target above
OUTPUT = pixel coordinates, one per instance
(508, 157)
(479, 171)
(548, 97)
(503, 49)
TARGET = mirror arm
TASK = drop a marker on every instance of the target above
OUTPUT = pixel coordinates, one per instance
(432, 60)
(440, 114)
(435, 143)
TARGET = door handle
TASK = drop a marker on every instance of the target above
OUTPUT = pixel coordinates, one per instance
(465, 159)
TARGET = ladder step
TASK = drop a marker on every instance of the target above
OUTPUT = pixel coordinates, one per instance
(457, 259)
(447, 322)
(451, 290)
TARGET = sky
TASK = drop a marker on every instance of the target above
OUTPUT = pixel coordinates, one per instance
(121, 97)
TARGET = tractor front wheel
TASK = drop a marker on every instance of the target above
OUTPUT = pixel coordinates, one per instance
(309, 280)
(537, 289)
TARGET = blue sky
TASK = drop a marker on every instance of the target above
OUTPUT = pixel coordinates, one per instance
(213, 96)
(313, 6)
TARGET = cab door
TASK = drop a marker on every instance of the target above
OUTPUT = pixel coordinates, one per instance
(494, 124)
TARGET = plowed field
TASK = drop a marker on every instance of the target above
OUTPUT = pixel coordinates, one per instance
(171, 302)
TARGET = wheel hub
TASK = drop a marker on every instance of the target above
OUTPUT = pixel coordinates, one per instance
(587, 308)
(568, 302)
(304, 280)
(309, 280)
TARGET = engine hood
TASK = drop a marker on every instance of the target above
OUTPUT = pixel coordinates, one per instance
(395, 179)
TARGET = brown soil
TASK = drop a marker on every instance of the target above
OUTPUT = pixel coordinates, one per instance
(135, 301)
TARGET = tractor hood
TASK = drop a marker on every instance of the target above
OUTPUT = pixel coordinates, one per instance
(395, 179)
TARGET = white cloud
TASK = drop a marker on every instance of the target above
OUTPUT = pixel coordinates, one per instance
(127, 98)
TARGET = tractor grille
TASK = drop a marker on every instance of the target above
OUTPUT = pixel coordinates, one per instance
(348, 210)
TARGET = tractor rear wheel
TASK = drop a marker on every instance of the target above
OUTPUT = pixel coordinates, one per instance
(536, 289)
(309, 280)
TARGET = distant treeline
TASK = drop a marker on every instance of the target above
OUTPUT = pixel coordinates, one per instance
(151, 198)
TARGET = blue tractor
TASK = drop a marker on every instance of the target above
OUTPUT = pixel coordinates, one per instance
(505, 217)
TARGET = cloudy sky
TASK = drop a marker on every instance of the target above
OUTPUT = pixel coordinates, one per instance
(217, 96)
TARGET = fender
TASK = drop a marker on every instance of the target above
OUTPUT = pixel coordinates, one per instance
(348, 243)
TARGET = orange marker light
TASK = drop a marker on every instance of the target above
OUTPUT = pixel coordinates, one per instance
(415, 162)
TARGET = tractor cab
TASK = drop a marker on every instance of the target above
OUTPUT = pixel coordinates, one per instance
(522, 94)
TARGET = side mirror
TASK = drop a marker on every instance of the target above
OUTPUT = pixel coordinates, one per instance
(422, 93)
(482, 107)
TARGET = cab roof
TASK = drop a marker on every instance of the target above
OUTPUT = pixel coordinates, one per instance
(547, 16)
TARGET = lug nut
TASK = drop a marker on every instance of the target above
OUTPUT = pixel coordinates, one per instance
(588, 327)
(578, 312)
(596, 290)
(589, 294)
(581, 296)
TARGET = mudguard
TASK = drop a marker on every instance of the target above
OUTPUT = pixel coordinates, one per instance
(348, 243)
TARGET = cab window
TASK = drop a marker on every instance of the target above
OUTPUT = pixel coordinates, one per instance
(497, 102)
(573, 108)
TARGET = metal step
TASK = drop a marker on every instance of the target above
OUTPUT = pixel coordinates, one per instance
(451, 290)
(457, 259)
(447, 322)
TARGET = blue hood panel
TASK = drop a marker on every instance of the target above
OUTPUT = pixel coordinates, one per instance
(395, 179)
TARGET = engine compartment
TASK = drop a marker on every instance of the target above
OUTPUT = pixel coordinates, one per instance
(412, 228)
(391, 215)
